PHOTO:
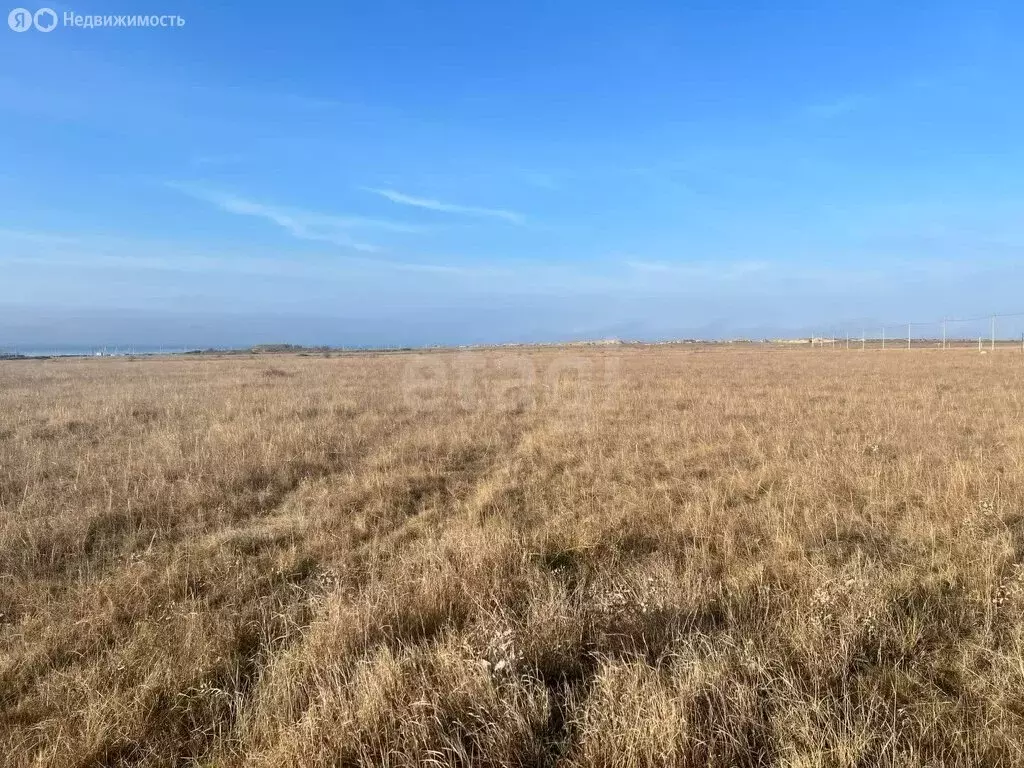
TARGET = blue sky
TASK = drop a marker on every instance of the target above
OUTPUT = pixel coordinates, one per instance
(409, 173)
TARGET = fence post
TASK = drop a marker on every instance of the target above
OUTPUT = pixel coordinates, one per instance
(908, 335)
(993, 345)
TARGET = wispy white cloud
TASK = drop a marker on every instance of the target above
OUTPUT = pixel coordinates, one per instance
(542, 179)
(305, 225)
(56, 249)
(703, 270)
(222, 159)
(838, 107)
(37, 238)
(436, 205)
(936, 84)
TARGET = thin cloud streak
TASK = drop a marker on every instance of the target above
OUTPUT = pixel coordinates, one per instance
(436, 205)
(87, 251)
(703, 270)
(37, 238)
(304, 225)
(844, 105)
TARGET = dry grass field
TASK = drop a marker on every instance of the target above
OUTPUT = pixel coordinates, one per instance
(579, 557)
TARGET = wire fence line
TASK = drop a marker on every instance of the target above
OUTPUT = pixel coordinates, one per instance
(986, 331)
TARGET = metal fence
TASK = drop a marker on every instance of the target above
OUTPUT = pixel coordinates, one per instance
(981, 332)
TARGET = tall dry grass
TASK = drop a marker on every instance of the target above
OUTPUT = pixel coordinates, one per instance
(606, 557)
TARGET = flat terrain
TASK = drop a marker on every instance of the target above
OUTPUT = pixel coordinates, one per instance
(566, 557)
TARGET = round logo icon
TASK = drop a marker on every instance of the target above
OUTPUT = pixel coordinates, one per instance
(45, 20)
(20, 19)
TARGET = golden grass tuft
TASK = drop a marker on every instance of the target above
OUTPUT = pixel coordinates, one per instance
(561, 557)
